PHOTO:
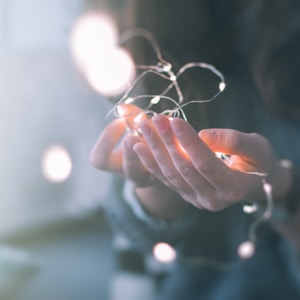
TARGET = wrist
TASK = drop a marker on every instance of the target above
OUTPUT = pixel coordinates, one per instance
(162, 202)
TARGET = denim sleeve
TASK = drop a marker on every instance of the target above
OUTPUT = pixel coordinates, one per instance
(142, 229)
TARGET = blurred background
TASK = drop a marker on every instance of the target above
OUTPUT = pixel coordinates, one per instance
(54, 240)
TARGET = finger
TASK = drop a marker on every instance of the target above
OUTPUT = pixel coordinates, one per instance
(203, 159)
(163, 168)
(230, 184)
(253, 148)
(181, 159)
(104, 154)
(132, 165)
(150, 164)
(234, 142)
(131, 114)
(251, 153)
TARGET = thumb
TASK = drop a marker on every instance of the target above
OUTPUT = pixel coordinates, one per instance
(233, 142)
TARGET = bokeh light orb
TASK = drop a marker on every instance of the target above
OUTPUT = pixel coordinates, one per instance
(112, 73)
(56, 164)
(246, 249)
(92, 34)
(164, 253)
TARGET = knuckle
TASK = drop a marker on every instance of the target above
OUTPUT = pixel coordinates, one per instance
(170, 144)
(187, 171)
(171, 176)
(206, 168)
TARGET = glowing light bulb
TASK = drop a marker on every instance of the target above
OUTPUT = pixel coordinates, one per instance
(92, 35)
(155, 100)
(167, 67)
(246, 249)
(128, 100)
(164, 253)
(219, 155)
(173, 78)
(250, 208)
(286, 163)
(111, 73)
(267, 188)
(56, 164)
(222, 86)
(138, 118)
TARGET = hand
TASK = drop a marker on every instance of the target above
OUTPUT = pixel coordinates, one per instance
(185, 162)
(114, 152)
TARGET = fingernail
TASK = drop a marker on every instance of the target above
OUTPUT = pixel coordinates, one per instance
(210, 137)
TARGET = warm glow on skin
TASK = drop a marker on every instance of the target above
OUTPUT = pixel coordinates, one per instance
(182, 150)
(132, 115)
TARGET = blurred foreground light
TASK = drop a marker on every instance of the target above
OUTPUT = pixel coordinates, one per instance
(107, 67)
(111, 74)
(56, 164)
(164, 253)
(246, 249)
(92, 35)
(250, 209)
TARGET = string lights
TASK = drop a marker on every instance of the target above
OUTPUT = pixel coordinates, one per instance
(102, 57)
(164, 70)
(247, 248)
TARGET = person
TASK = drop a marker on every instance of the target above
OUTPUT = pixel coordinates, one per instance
(171, 187)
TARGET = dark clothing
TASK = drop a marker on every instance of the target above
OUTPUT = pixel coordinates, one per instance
(208, 241)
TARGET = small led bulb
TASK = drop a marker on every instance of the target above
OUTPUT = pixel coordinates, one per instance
(128, 100)
(246, 249)
(164, 253)
(155, 100)
(250, 208)
(173, 78)
(222, 86)
(132, 115)
(167, 68)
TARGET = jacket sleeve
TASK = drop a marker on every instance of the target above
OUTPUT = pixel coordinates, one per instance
(142, 229)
